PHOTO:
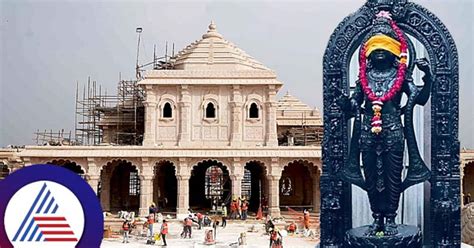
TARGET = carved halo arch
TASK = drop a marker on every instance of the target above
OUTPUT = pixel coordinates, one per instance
(421, 24)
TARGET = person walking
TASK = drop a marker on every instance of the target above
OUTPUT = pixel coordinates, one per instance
(152, 209)
(151, 221)
(200, 217)
(233, 209)
(224, 215)
(276, 240)
(185, 230)
(189, 226)
(164, 232)
(245, 208)
(126, 230)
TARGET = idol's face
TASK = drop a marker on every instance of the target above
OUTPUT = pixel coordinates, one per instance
(381, 55)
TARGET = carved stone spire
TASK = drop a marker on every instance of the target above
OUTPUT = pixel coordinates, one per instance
(212, 32)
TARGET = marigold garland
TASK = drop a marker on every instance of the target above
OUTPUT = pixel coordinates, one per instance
(377, 102)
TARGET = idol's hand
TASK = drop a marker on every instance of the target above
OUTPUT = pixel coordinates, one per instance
(424, 65)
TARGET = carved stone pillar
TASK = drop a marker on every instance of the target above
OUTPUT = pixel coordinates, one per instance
(274, 195)
(271, 138)
(183, 195)
(146, 191)
(316, 192)
(93, 174)
(236, 105)
(184, 137)
(93, 181)
(105, 190)
(273, 179)
(146, 187)
(236, 177)
(149, 138)
(182, 175)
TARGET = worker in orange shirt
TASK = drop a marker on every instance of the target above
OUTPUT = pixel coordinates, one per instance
(164, 231)
(306, 218)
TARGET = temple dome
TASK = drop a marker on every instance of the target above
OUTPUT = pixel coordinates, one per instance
(213, 52)
(292, 112)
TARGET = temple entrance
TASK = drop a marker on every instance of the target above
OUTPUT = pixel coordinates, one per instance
(209, 182)
(123, 192)
(297, 188)
(165, 186)
(468, 185)
(254, 184)
(72, 166)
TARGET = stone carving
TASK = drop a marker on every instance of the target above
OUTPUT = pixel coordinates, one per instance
(378, 133)
(442, 54)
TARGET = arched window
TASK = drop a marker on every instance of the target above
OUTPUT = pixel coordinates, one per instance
(167, 111)
(210, 110)
(246, 184)
(134, 184)
(253, 111)
(214, 182)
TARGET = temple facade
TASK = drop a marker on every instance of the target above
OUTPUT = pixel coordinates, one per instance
(213, 130)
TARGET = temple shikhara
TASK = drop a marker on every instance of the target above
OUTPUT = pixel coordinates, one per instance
(203, 125)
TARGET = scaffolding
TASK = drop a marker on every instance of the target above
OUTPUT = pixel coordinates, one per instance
(110, 119)
(54, 138)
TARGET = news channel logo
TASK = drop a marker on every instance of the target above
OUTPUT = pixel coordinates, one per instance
(49, 206)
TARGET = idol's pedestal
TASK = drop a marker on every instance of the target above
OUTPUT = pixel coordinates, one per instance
(407, 237)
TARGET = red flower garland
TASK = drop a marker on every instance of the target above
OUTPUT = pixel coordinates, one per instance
(377, 102)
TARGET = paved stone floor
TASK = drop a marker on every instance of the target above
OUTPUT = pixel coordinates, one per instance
(226, 237)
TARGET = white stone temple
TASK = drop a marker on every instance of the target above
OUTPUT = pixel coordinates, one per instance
(213, 129)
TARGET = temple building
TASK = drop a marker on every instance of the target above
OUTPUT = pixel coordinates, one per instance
(208, 126)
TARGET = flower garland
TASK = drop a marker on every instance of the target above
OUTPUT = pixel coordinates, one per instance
(377, 102)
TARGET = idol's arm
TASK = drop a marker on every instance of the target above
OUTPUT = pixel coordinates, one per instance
(350, 104)
(424, 94)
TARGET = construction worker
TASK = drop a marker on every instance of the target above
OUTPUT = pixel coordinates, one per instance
(150, 222)
(245, 208)
(306, 219)
(189, 226)
(200, 217)
(126, 230)
(292, 227)
(164, 231)
(224, 215)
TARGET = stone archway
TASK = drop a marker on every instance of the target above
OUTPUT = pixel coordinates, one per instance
(254, 184)
(70, 165)
(165, 186)
(120, 186)
(209, 180)
(468, 185)
(299, 186)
